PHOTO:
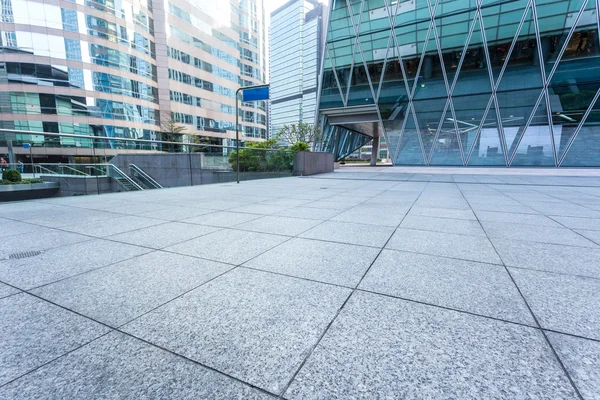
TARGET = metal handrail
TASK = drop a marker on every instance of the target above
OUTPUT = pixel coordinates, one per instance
(122, 175)
(118, 139)
(76, 170)
(146, 176)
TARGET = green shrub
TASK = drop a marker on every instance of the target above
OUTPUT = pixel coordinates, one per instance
(32, 180)
(11, 175)
(6, 182)
(300, 146)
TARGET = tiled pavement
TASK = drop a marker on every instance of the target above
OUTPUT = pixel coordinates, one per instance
(343, 286)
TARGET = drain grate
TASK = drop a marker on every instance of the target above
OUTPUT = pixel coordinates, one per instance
(24, 254)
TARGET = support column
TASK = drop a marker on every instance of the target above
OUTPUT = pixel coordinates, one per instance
(375, 150)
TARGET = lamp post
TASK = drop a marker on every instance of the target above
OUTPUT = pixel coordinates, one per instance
(249, 93)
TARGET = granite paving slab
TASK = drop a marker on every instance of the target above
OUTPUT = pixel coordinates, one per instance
(228, 245)
(465, 247)
(484, 289)
(117, 366)
(63, 262)
(34, 332)
(346, 232)
(249, 324)
(163, 235)
(561, 302)
(581, 358)
(123, 291)
(278, 225)
(336, 263)
(399, 349)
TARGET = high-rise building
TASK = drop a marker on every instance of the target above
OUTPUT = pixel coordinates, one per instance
(464, 82)
(295, 48)
(123, 68)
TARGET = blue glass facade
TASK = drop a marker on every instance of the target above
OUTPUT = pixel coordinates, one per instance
(466, 82)
(126, 68)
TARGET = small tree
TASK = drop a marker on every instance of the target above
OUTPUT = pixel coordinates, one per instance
(300, 132)
(172, 131)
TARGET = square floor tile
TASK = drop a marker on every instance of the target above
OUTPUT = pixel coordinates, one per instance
(6, 290)
(399, 349)
(464, 285)
(228, 245)
(532, 233)
(369, 216)
(34, 332)
(465, 247)
(223, 219)
(252, 325)
(447, 225)
(11, 228)
(23, 210)
(63, 262)
(320, 214)
(581, 358)
(346, 232)
(550, 257)
(263, 209)
(39, 240)
(337, 263)
(117, 366)
(113, 226)
(517, 218)
(580, 223)
(217, 204)
(508, 208)
(68, 216)
(160, 236)
(123, 291)
(562, 303)
(174, 213)
(594, 236)
(278, 225)
(442, 213)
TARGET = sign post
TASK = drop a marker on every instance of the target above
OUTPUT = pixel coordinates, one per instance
(28, 146)
(249, 93)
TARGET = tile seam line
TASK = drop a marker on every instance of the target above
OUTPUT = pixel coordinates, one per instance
(552, 217)
(563, 367)
(55, 358)
(91, 270)
(234, 267)
(468, 183)
(314, 347)
(113, 329)
(60, 229)
(398, 298)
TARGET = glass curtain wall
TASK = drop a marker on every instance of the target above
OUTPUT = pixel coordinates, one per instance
(471, 83)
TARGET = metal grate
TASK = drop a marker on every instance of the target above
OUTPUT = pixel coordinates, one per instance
(24, 254)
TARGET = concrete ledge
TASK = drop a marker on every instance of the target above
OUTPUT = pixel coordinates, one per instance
(28, 191)
(312, 163)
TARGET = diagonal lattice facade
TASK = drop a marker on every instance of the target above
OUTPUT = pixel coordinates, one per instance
(467, 82)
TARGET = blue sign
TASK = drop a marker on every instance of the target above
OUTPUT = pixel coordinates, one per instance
(25, 145)
(255, 94)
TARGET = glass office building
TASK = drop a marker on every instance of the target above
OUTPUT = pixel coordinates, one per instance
(464, 82)
(119, 68)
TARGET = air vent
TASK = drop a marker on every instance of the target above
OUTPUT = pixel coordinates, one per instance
(24, 254)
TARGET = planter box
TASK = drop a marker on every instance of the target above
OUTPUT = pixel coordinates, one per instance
(28, 191)
(311, 163)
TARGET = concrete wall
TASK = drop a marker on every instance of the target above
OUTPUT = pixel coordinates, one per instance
(170, 170)
(311, 163)
(76, 186)
(173, 170)
(28, 191)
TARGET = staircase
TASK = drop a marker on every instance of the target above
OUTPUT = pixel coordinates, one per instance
(125, 183)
